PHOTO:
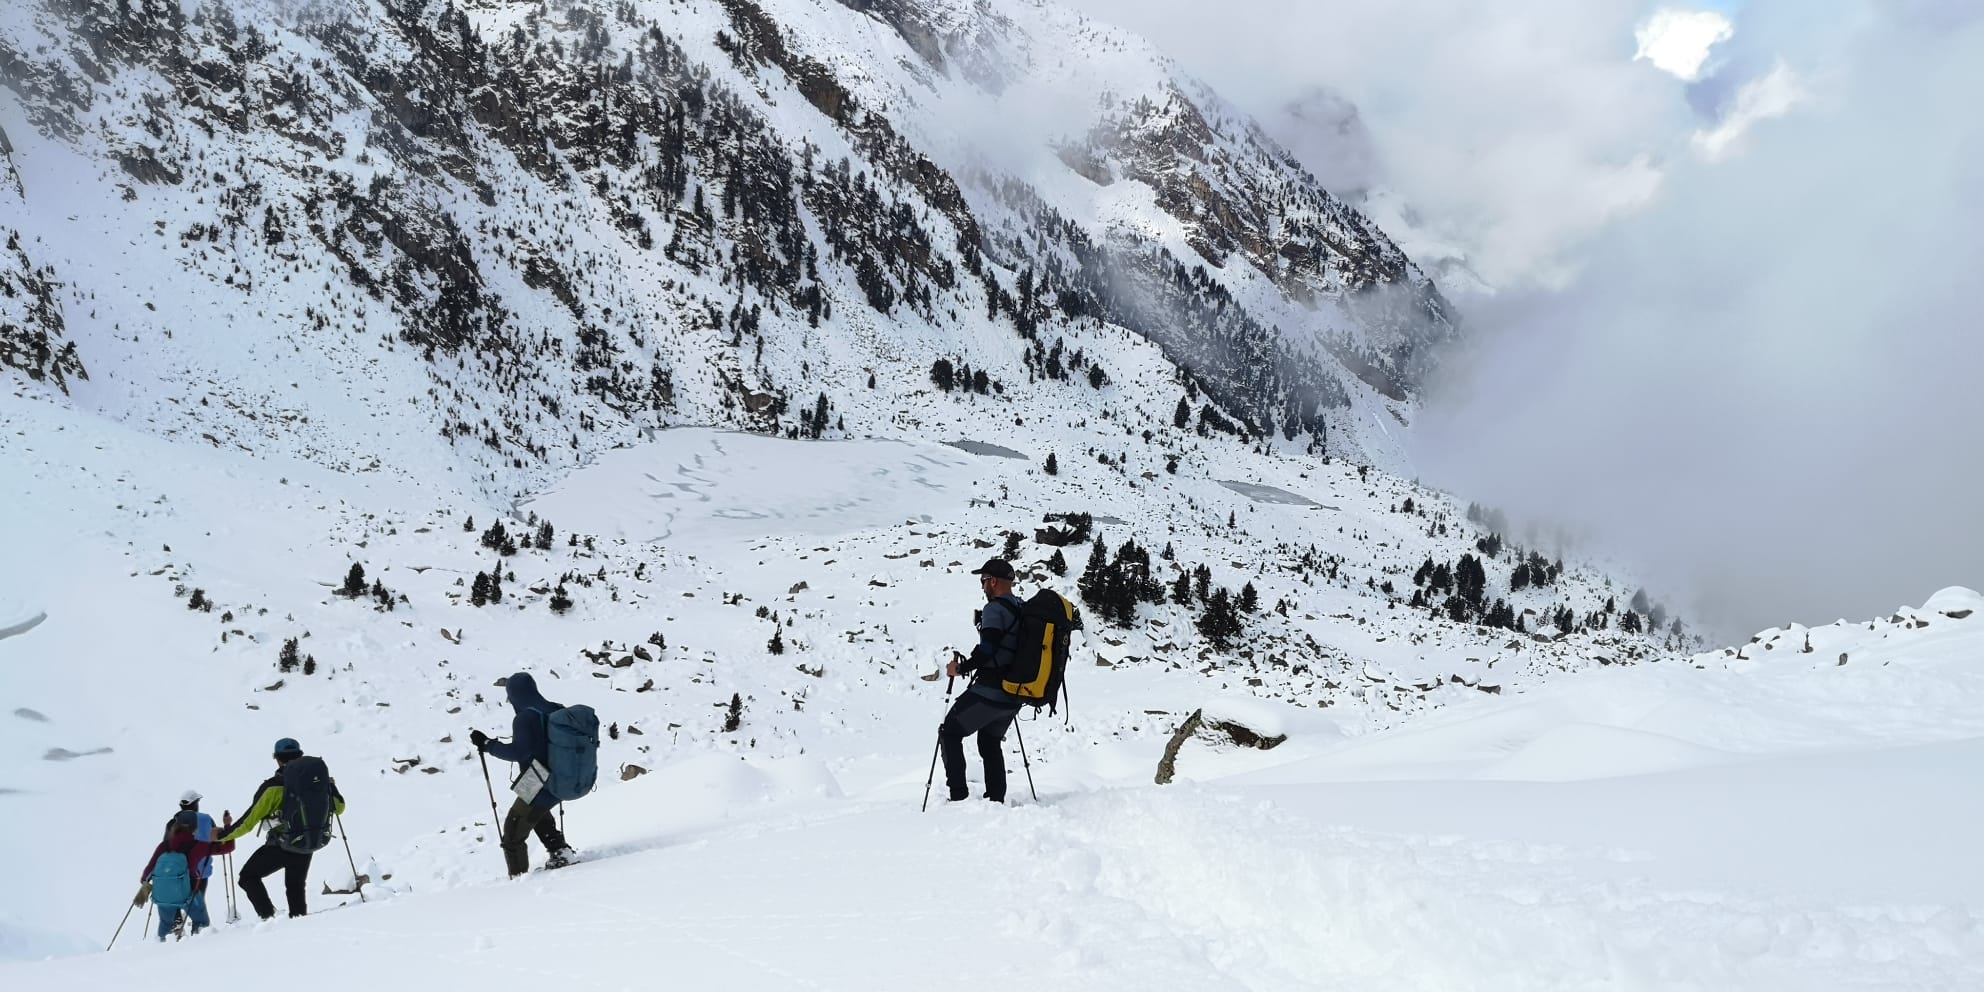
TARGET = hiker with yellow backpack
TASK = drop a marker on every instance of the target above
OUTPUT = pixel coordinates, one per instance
(1020, 660)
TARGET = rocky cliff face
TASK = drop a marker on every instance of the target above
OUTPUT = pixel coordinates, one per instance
(532, 229)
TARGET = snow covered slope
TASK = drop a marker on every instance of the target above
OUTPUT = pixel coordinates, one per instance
(682, 557)
(1760, 822)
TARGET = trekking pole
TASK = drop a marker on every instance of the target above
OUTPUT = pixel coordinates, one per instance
(1024, 763)
(356, 882)
(126, 919)
(233, 910)
(148, 920)
(227, 865)
(491, 786)
(932, 777)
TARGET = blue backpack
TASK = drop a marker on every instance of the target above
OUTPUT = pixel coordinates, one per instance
(172, 881)
(572, 736)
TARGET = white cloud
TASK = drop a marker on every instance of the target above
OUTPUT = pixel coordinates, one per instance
(1751, 386)
(1774, 95)
(1516, 131)
(1679, 41)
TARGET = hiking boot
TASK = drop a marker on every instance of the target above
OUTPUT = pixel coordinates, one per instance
(561, 857)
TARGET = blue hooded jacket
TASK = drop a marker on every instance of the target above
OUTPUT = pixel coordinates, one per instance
(527, 742)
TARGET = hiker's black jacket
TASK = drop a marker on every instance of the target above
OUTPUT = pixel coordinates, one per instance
(998, 640)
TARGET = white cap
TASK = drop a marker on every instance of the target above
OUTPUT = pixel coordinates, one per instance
(189, 797)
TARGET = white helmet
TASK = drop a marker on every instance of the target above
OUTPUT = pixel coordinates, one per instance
(189, 797)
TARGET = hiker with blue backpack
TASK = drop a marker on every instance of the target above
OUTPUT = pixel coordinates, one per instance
(171, 879)
(204, 829)
(296, 806)
(556, 751)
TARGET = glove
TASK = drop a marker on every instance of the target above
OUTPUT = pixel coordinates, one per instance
(144, 893)
(479, 739)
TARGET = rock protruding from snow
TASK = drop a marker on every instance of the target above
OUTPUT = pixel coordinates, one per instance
(1955, 602)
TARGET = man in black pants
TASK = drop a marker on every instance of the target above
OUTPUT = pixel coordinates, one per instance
(985, 708)
(272, 856)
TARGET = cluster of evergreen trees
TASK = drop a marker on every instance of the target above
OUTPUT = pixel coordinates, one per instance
(354, 586)
(1112, 588)
(1113, 585)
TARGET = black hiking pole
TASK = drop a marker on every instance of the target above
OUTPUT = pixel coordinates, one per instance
(1024, 763)
(356, 882)
(932, 777)
(495, 819)
(127, 919)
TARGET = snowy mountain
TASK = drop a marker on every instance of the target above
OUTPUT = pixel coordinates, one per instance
(689, 355)
(539, 229)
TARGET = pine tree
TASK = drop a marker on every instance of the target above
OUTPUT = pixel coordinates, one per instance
(1219, 623)
(354, 582)
(1249, 598)
(468, 526)
(777, 644)
(561, 601)
(1181, 589)
(733, 716)
(943, 375)
(1183, 415)
(1090, 586)
(1052, 467)
(1057, 563)
(478, 592)
(287, 660)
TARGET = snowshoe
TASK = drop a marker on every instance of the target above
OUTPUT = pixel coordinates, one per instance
(560, 858)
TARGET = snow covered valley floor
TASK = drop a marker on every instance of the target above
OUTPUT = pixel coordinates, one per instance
(1795, 814)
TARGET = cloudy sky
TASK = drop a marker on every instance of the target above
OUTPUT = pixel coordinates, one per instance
(1730, 332)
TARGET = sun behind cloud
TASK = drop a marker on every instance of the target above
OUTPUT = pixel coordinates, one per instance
(1679, 41)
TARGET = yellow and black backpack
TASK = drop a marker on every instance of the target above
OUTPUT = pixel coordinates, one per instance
(1038, 672)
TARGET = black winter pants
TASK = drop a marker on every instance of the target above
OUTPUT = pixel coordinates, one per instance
(975, 714)
(266, 861)
(517, 828)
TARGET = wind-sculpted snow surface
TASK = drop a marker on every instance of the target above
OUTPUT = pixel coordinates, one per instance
(1201, 886)
(1455, 806)
(694, 488)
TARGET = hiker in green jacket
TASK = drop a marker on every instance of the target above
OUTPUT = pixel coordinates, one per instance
(298, 804)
